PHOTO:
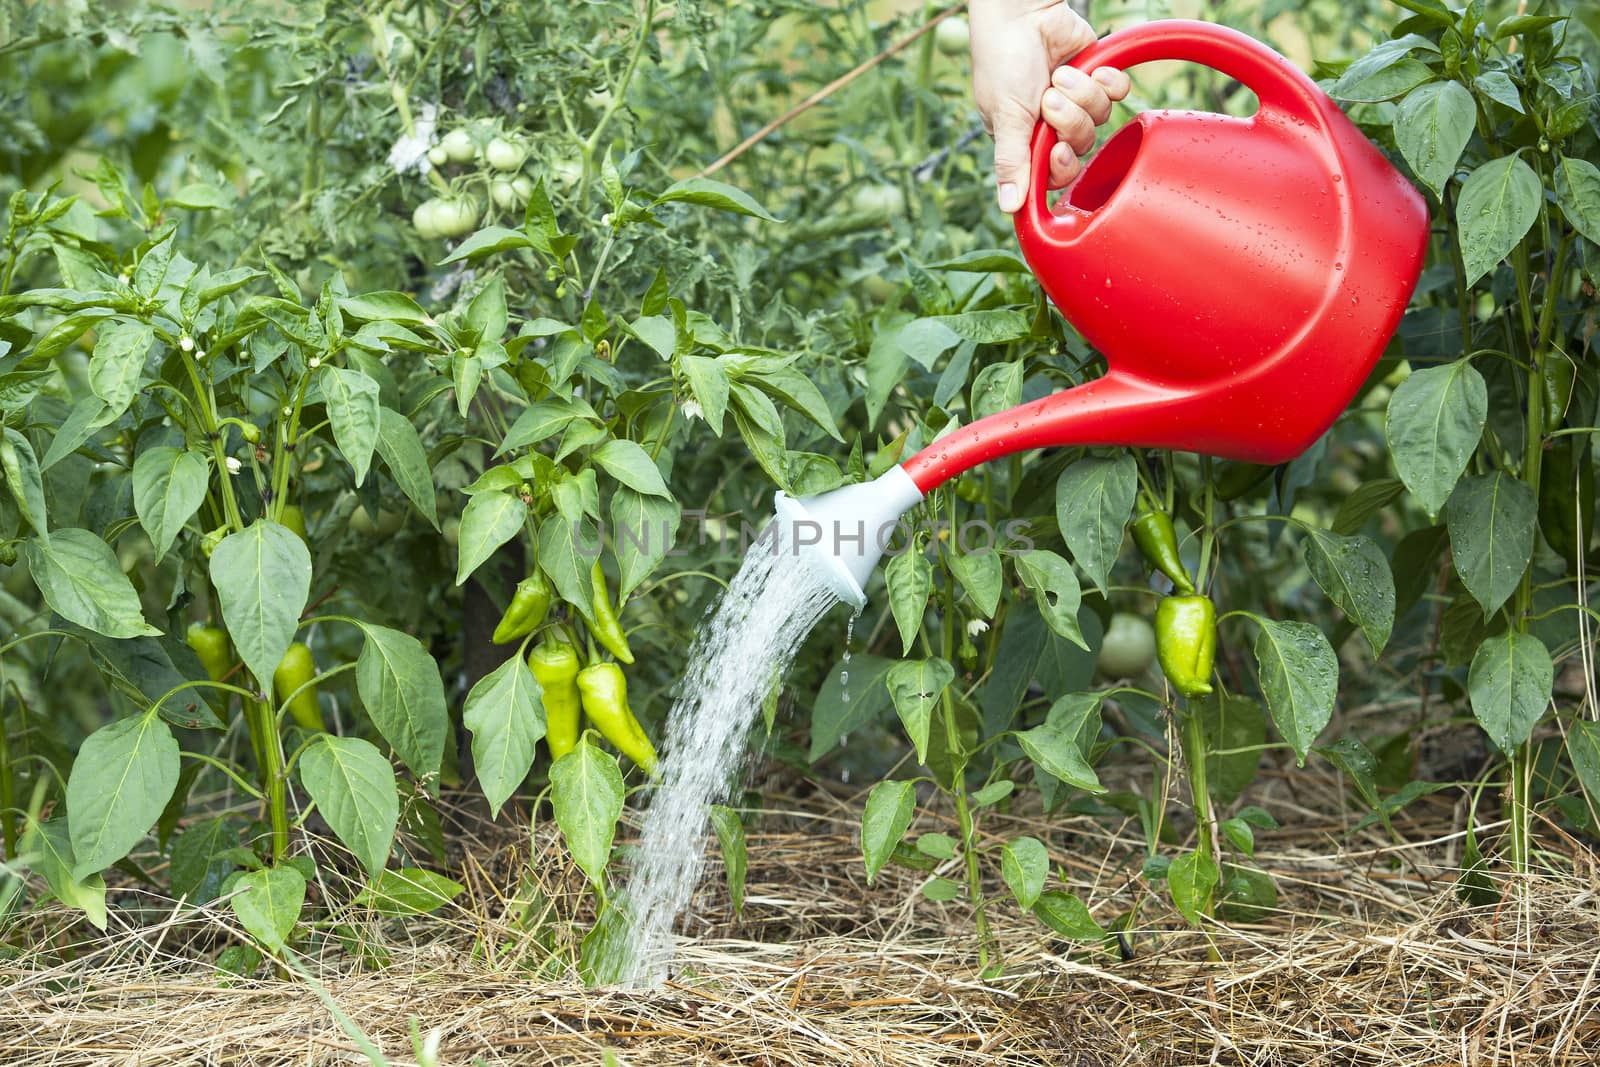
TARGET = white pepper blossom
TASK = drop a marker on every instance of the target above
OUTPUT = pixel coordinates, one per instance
(234, 465)
(976, 627)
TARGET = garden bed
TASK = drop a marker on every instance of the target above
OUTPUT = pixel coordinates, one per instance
(1371, 958)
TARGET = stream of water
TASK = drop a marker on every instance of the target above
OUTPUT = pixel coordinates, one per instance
(740, 653)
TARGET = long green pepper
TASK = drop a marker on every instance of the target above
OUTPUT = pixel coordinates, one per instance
(1154, 534)
(605, 701)
(528, 607)
(605, 626)
(555, 667)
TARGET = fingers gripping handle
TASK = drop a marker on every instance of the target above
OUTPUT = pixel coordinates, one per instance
(1281, 87)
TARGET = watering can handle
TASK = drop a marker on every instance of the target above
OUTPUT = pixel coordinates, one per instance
(1280, 86)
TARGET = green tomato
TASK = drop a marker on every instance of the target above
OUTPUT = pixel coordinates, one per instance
(457, 217)
(387, 522)
(566, 171)
(425, 219)
(504, 194)
(438, 156)
(522, 185)
(1128, 648)
(458, 146)
(505, 155)
(600, 99)
(953, 36)
(882, 201)
(879, 288)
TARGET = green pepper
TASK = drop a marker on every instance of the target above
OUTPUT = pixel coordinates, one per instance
(295, 519)
(1560, 512)
(605, 627)
(555, 666)
(289, 683)
(1558, 377)
(1186, 642)
(605, 700)
(1153, 533)
(210, 644)
(527, 609)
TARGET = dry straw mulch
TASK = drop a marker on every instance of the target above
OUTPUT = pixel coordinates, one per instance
(1370, 959)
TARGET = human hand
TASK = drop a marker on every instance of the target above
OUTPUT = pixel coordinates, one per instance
(1020, 50)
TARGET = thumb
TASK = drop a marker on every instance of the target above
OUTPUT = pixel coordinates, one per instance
(1013, 131)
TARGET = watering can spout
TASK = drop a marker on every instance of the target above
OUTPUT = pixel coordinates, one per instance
(841, 535)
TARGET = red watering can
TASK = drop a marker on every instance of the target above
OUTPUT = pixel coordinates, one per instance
(1241, 277)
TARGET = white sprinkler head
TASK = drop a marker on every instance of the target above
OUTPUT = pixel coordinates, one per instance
(843, 533)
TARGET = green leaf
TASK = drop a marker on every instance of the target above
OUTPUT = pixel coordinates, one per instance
(21, 469)
(884, 822)
(1236, 733)
(50, 848)
(1431, 127)
(1386, 83)
(267, 903)
(735, 863)
(1433, 424)
(1053, 747)
(643, 530)
(1509, 685)
(1300, 679)
(487, 241)
(1491, 518)
(505, 712)
(632, 466)
(937, 846)
(708, 383)
(997, 388)
(833, 715)
(1237, 831)
(409, 891)
(1024, 864)
(489, 521)
(352, 402)
(401, 448)
(586, 791)
(1578, 193)
(169, 485)
(118, 363)
(263, 577)
(354, 789)
(569, 569)
(915, 687)
(78, 575)
(1355, 574)
(1583, 748)
(1497, 85)
(388, 306)
(1055, 589)
(201, 859)
(1094, 498)
(983, 261)
(1190, 879)
(1369, 498)
(981, 575)
(909, 578)
(1067, 916)
(400, 685)
(940, 890)
(1498, 203)
(720, 195)
(123, 776)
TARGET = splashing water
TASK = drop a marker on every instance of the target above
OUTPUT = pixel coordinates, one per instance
(739, 655)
